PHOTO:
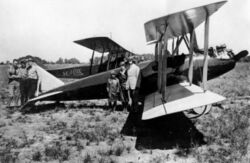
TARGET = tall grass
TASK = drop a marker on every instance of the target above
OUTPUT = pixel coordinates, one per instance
(227, 136)
(227, 129)
(6, 153)
(234, 83)
(56, 151)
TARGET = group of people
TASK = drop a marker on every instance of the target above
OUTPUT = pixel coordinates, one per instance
(23, 81)
(124, 85)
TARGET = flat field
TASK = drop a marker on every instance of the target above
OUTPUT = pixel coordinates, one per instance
(85, 132)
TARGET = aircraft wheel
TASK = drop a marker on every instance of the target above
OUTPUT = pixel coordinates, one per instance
(203, 109)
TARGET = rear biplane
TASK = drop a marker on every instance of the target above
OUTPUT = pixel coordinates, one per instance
(111, 55)
(170, 83)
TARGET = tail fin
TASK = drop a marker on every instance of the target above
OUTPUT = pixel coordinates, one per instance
(48, 81)
(240, 55)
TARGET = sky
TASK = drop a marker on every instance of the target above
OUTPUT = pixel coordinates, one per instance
(47, 28)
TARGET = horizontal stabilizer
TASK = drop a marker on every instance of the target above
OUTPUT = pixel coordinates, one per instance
(44, 96)
(47, 80)
(179, 97)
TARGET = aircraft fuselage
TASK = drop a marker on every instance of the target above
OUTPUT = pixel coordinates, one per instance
(94, 86)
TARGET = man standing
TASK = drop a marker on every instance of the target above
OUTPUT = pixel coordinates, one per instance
(14, 90)
(133, 83)
(22, 74)
(113, 89)
(33, 79)
(123, 76)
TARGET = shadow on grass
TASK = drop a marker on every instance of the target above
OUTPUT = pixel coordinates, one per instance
(167, 132)
(29, 109)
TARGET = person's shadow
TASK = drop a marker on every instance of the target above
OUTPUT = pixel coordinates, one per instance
(166, 132)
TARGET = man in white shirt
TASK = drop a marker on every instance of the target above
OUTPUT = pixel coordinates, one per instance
(33, 79)
(133, 83)
(22, 74)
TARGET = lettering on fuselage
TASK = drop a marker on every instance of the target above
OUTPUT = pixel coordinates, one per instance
(76, 72)
(72, 72)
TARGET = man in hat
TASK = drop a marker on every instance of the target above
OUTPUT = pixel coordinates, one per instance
(133, 83)
(113, 89)
(33, 79)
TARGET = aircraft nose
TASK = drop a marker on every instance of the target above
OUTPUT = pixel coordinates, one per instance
(240, 55)
(217, 67)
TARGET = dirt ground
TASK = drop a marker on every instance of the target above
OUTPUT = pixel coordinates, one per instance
(84, 131)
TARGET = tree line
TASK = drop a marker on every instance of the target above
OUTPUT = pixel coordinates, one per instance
(67, 61)
(43, 61)
(73, 60)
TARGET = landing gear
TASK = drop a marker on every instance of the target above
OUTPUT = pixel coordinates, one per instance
(203, 109)
(199, 111)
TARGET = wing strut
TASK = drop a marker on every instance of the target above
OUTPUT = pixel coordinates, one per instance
(191, 51)
(109, 58)
(156, 52)
(173, 41)
(102, 59)
(186, 41)
(159, 80)
(162, 52)
(205, 63)
(116, 60)
(102, 55)
(164, 67)
(91, 62)
(178, 42)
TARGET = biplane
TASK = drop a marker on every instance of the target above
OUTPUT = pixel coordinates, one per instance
(171, 83)
(111, 55)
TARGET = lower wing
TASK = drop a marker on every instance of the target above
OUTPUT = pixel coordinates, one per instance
(179, 97)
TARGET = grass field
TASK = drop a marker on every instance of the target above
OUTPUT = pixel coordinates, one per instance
(3, 75)
(90, 134)
(3, 84)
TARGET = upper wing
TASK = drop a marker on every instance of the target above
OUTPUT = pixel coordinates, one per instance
(99, 44)
(179, 23)
(102, 45)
